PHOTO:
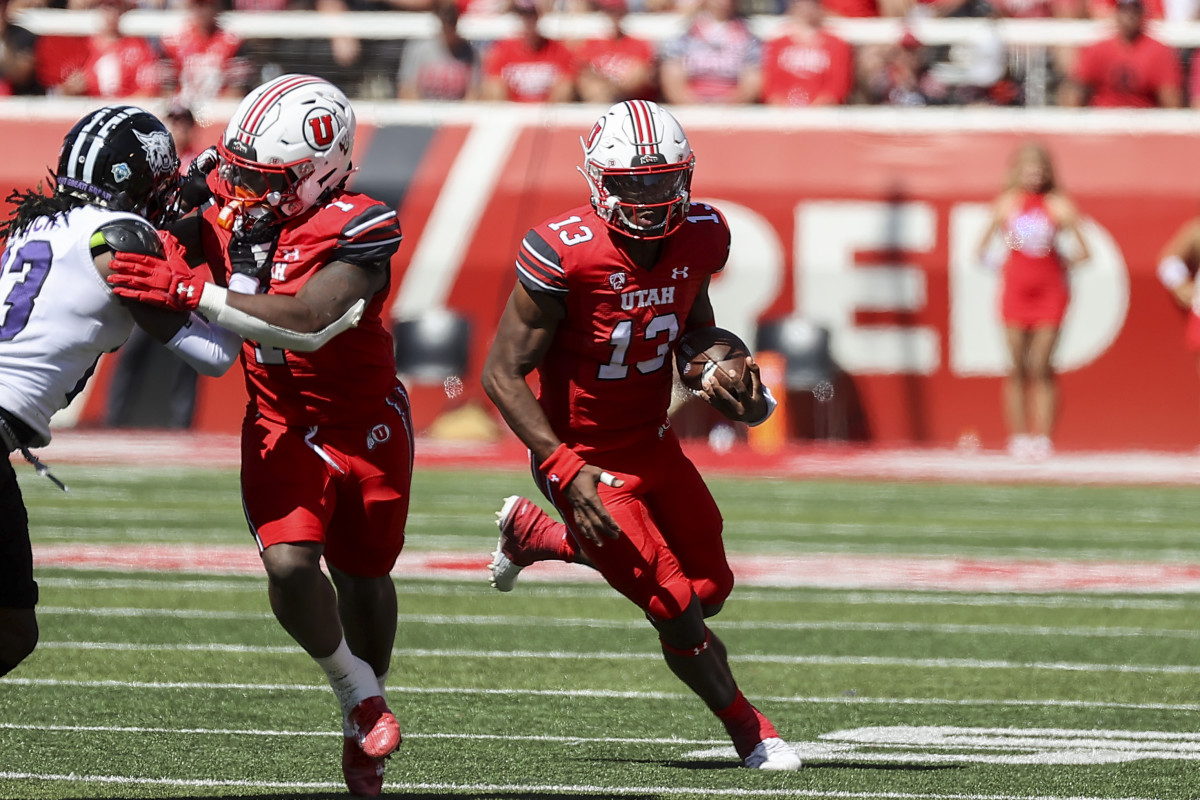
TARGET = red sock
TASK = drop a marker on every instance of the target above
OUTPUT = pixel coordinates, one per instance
(746, 725)
(550, 540)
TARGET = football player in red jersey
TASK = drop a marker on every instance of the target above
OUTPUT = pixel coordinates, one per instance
(327, 441)
(603, 293)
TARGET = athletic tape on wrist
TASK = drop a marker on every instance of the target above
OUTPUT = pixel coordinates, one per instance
(562, 466)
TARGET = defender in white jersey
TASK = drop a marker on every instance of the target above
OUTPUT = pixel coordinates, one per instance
(117, 178)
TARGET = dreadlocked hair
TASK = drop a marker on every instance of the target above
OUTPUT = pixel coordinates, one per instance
(33, 204)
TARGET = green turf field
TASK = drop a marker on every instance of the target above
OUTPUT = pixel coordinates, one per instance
(183, 685)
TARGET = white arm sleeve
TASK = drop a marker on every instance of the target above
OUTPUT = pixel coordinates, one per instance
(213, 305)
(208, 349)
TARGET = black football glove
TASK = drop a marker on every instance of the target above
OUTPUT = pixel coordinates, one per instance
(193, 189)
(253, 246)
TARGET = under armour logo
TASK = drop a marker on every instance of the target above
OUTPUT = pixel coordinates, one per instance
(554, 477)
(185, 290)
(679, 273)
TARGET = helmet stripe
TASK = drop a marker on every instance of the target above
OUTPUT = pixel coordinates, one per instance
(117, 115)
(258, 110)
(83, 137)
(643, 126)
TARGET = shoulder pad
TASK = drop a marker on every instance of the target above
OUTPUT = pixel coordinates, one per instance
(127, 235)
(369, 239)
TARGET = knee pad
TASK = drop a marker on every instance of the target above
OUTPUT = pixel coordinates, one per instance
(715, 590)
(670, 601)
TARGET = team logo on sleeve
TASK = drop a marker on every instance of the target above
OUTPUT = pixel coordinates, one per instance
(378, 435)
(617, 281)
(121, 172)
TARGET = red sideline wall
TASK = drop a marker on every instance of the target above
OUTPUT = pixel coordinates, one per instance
(865, 221)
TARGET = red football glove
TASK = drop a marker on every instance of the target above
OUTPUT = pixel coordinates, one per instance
(165, 281)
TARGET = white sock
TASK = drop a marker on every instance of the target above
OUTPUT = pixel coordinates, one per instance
(352, 680)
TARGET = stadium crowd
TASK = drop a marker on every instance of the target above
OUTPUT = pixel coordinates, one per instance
(716, 58)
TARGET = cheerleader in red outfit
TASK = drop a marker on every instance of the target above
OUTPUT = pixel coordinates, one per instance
(1030, 215)
(1177, 271)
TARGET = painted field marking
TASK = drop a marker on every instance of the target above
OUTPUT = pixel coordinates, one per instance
(819, 570)
(526, 788)
(568, 655)
(456, 587)
(910, 744)
(493, 620)
(602, 694)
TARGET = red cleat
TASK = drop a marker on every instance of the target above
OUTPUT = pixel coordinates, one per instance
(377, 729)
(364, 775)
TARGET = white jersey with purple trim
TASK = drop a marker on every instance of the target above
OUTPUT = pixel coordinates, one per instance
(57, 315)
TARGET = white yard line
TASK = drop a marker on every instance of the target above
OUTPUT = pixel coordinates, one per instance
(819, 570)
(566, 655)
(601, 694)
(493, 620)
(525, 788)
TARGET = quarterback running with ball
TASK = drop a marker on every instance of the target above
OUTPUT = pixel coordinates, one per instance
(603, 293)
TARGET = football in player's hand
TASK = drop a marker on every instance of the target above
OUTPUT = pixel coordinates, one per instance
(701, 351)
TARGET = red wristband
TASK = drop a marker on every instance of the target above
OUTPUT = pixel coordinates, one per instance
(562, 466)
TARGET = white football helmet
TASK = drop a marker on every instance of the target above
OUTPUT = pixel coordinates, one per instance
(288, 143)
(639, 165)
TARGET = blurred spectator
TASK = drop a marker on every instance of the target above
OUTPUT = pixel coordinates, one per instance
(528, 68)
(337, 59)
(616, 67)
(902, 76)
(858, 8)
(807, 65)
(18, 65)
(717, 60)
(115, 65)
(1128, 69)
(444, 67)
(980, 70)
(1030, 216)
(1107, 9)
(205, 60)
(182, 124)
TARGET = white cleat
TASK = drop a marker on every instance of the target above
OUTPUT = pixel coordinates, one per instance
(773, 754)
(504, 571)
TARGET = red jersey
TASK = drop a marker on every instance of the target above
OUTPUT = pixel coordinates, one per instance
(614, 58)
(851, 8)
(345, 379)
(122, 68)
(798, 72)
(1124, 74)
(205, 65)
(528, 73)
(606, 379)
